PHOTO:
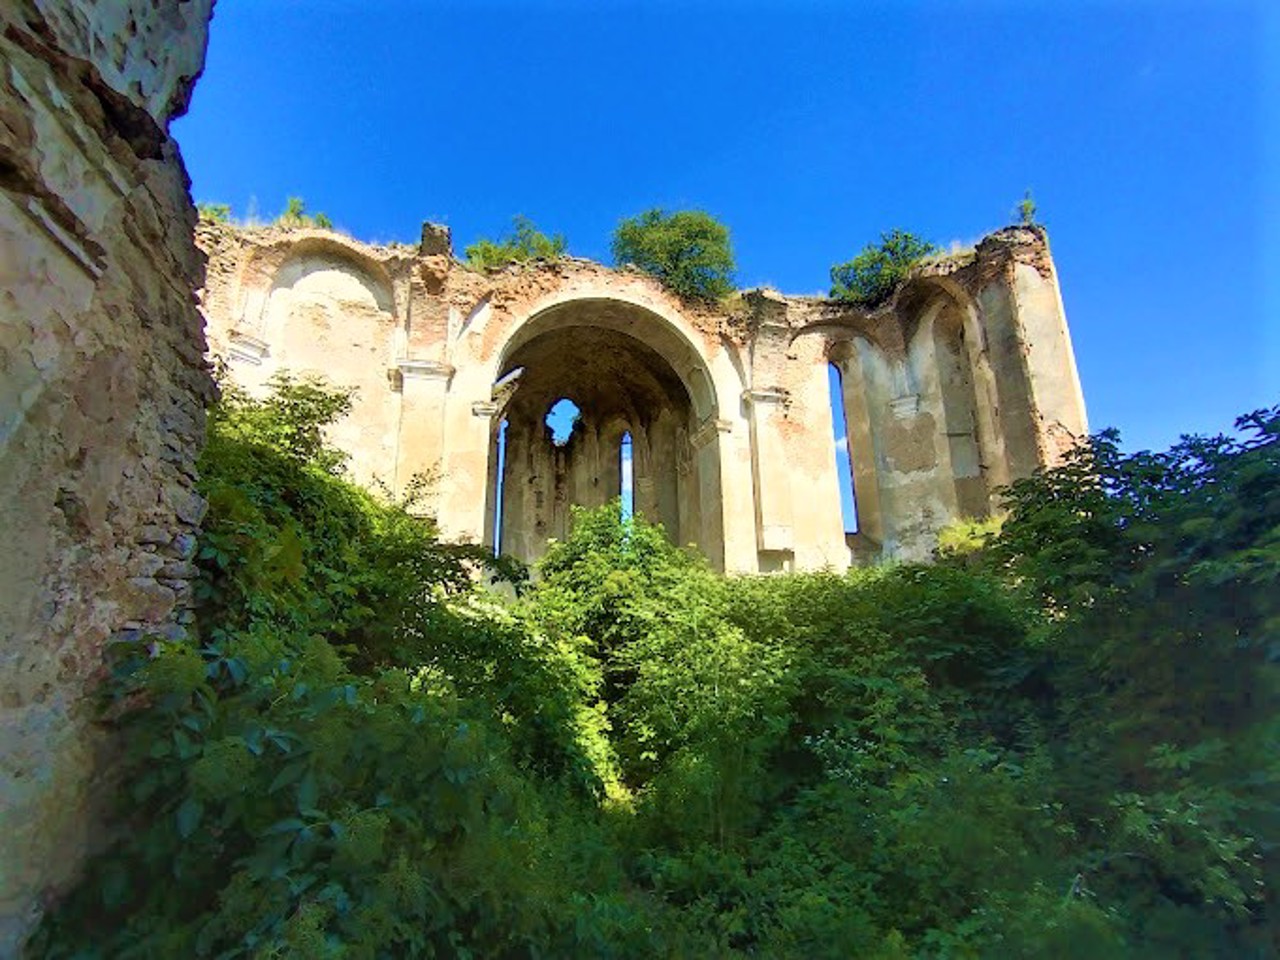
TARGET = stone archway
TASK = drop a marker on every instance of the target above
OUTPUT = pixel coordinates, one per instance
(630, 372)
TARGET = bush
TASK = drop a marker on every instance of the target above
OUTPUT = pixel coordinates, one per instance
(526, 243)
(688, 251)
(1057, 741)
(870, 278)
(295, 215)
(216, 212)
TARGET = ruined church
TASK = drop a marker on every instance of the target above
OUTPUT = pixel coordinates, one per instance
(962, 383)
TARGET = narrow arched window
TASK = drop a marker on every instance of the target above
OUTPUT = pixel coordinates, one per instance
(626, 486)
(844, 464)
(498, 487)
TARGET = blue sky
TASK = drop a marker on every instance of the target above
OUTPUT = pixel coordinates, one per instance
(1148, 131)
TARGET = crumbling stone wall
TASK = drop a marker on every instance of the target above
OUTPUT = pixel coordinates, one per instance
(963, 382)
(103, 384)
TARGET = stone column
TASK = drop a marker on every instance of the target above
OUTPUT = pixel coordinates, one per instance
(420, 443)
(722, 479)
(770, 471)
(1050, 360)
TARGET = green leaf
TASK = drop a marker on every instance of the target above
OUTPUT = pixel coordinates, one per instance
(188, 816)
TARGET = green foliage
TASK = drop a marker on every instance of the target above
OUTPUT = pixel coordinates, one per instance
(1059, 740)
(966, 537)
(295, 215)
(688, 250)
(1027, 209)
(216, 212)
(526, 243)
(870, 278)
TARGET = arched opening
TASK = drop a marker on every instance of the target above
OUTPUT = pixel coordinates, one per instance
(498, 476)
(855, 440)
(328, 312)
(844, 463)
(963, 443)
(641, 400)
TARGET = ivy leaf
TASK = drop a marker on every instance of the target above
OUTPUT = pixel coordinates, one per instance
(188, 816)
(290, 773)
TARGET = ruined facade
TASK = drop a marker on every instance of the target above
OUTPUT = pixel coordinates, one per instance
(103, 385)
(964, 382)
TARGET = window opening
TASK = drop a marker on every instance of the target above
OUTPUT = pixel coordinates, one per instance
(844, 463)
(498, 487)
(627, 487)
(561, 418)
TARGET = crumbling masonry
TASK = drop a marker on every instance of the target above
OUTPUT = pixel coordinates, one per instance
(965, 381)
(103, 385)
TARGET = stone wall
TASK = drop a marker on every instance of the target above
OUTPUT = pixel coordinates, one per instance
(965, 381)
(103, 384)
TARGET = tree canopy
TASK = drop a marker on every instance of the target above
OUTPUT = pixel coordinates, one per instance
(688, 250)
(870, 278)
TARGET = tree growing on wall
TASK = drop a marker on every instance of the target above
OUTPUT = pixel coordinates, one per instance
(688, 250)
(295, 215)
(216, 212)
(1027, 209)
(527, 242)
(870, 278)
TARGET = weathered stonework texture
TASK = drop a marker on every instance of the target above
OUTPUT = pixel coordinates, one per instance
(962, 383)
(103, 384)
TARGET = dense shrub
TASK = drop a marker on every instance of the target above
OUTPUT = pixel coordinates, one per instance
(216, 212)
(870, 278)
(687, 250)
(527, 242)
(1057, 741)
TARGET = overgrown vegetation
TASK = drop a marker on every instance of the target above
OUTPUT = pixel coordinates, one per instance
(525, 243)
(1060, 741)
(870, 278)
(1026, 210)
(295, 215)
(217, 212)
(688, 250)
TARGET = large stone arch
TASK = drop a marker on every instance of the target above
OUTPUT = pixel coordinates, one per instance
(949, 370)
(320, 305)
(267, 267)
(632, 365)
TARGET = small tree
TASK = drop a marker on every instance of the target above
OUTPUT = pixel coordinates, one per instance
(870, 278)
(295, 215)
(689, 251)
(526, 243)
(1027, 209)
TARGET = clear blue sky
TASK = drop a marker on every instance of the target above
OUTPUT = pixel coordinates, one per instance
(1148, 131)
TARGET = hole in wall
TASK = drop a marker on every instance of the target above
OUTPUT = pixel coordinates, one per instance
(561, 418)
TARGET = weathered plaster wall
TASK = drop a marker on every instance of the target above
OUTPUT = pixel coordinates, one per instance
(102, 389)
(963, 382)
